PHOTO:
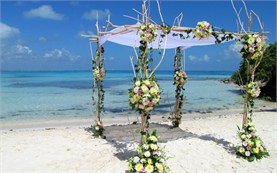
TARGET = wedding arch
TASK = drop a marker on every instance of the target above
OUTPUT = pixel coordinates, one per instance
(147, 36)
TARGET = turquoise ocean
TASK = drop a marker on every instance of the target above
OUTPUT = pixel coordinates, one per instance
(67, 94)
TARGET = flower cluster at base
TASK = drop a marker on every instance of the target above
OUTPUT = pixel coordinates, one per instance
(252, 146)
(97, 129)
(254, 46)
(99, 73)
(180, 78)
(145, 95)
(203, 29)
(147, 33)
(253, 89)
(150, 157)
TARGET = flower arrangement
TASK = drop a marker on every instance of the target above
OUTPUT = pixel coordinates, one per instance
(150, 157)
(97, 129)
(252, 146)
(253, 89)
(147, 33)
(180, 78)
(99, 73)
(203, 29)
(254, 46)
(144, 96)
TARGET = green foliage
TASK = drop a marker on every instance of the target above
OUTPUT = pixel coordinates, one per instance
(265, 72)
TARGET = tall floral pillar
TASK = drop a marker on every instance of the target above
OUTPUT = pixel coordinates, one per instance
(99, 73)
(180, 78)
(252, 146)
(145, 93)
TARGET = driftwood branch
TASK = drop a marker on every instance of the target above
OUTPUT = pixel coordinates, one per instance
(133, 67)
(162, 57)
(160, 12)
(241, 24)
(260, 23)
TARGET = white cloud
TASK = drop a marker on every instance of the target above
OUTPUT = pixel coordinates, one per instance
(7, 31)
(233, 51)
(17, 51)
(42, 39)
(61, 54)
(85, 33)
(92, 14)
(192, 58)
(45, 12)
(205, 58)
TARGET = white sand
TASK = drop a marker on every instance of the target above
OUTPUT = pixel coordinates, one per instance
(75, 150)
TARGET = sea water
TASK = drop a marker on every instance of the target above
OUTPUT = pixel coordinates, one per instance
(54, 95)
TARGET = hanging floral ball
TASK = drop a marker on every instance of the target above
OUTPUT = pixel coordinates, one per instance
(147, 33)
(253, 89)
(99, 73)
(254, 46)
(203, 29)
(252, 146)
(180, 78)
(144, 96)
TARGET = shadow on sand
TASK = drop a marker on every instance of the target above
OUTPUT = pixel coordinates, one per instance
(123, 136)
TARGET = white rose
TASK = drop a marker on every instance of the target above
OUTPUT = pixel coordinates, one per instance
(137, 83)
(147, 154)
(136, 159)
(247, 153)
(136, 89)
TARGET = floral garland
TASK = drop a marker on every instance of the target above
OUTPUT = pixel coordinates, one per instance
(99, 73)
(254, 46)
(203, 29)
(253, 89)
(180, 78)
(144, 95)
(150, 157)
(147, 32)
(252, 146)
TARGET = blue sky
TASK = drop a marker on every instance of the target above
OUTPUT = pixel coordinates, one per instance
(46, 35)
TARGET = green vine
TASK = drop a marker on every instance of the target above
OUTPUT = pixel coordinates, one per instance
(99, 73)
(180, 78)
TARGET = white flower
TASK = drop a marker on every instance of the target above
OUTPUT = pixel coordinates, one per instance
(247, 153)
(142, 160)
(145, 146)
(147, 154)
(136, 89)
(137, 83)
(136, 159)
(258, 40)
(244, 143)
(162, 160)
(96, 128)
(249, 136)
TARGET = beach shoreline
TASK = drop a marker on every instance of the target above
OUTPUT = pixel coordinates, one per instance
(124, 119)
(205, 144)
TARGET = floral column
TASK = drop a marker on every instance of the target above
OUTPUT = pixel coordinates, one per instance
(252, 146)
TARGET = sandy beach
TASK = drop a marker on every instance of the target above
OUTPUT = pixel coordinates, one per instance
(201, 144)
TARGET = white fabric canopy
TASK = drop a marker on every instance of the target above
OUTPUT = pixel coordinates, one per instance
(131, 38)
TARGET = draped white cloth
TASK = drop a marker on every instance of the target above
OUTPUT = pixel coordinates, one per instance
(131, 38)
